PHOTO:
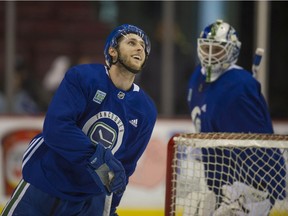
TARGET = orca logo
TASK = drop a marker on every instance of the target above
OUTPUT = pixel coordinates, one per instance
(106, 128)
(196, 120)
(104, 134)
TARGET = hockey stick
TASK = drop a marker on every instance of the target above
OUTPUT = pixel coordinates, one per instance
(257, 60)
(106, 177)
(107, 205)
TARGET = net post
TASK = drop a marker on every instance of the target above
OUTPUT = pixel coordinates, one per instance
(170, 193)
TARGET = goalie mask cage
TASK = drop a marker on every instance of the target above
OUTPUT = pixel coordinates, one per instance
(213, 174)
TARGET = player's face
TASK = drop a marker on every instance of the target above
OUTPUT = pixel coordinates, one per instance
(215, 51)
(132, 51)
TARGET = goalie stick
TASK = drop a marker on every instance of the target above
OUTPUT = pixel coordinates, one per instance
(257, 60)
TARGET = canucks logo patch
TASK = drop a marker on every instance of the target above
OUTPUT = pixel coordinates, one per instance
(99, 96)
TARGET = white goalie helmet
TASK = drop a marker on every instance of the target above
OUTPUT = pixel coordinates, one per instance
(218, 47)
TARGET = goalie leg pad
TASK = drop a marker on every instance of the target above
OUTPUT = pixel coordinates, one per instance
(243, 200)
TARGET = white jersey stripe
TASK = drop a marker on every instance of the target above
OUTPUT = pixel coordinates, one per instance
(31, 150)
(17, 199)
(32, 143)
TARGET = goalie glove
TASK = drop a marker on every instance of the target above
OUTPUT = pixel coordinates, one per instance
(107, 171)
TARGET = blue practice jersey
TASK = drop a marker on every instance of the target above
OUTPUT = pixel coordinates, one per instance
(87, 109)
(234, 103)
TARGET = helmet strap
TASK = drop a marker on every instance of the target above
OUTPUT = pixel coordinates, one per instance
(125, 66)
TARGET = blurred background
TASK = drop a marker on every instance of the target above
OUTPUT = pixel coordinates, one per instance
(40, 40)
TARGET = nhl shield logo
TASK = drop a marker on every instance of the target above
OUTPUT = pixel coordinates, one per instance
(121, 95)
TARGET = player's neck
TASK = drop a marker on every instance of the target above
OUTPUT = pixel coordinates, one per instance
(121, 78)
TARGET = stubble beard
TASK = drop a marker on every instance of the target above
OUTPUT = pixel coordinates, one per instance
(126, 63)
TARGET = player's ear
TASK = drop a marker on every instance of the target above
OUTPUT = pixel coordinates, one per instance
(113, 52)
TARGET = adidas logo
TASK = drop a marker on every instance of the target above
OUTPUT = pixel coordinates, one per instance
(134, 122)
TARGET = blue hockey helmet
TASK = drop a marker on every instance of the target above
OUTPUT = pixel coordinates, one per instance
(112, 40)
(218, 48)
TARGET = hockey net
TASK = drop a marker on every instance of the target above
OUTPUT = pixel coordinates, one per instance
(213, 174)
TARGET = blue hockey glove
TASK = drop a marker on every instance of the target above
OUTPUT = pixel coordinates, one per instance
(107, 171)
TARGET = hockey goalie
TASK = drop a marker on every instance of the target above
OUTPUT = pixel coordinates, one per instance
(225, 98)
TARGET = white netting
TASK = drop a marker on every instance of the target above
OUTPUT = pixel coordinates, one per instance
(229, 174)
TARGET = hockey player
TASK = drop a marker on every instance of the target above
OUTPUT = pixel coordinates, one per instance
(223, 97)
(96, 128)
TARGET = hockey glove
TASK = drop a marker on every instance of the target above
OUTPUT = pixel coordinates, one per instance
(107, 171)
